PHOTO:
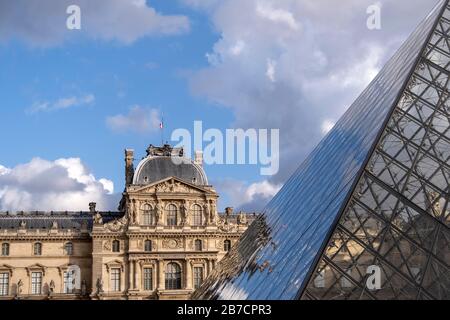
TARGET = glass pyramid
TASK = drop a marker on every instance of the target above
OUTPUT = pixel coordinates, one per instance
(367, 215)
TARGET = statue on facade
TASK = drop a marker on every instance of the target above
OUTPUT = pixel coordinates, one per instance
(51, 288)
(242, 218)
(185, 213)
(213, 212)
(132, 211)
(19, 287)
(98, 218)
(54, 224)
(99, 286)
(83, 288)
(206, 210)
(23, 224)
(159, 213)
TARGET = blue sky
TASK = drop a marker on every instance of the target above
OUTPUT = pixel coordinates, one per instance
(58, 88)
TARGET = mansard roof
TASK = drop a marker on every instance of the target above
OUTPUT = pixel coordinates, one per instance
(45, 220)
(163, 163)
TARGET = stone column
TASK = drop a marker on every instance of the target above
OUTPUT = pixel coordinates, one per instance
(131, 275)
(188, 274)
(161, 285)
(137, 275)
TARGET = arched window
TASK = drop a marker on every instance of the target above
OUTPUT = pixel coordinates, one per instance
(68, 248)
(5, 249)
(173, 276)
(198, 245)
(197, 216)
(227, 245)
(116, 246)
(37, 249)
(148, 245)
(148, 215)
(172, 215)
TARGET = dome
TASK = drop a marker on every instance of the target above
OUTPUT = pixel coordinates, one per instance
(156, 168)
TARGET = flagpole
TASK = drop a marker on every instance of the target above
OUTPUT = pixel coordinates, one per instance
(162, 129)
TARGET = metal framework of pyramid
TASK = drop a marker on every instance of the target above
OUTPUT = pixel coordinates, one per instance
(373, 195)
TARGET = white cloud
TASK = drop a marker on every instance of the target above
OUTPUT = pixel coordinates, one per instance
(237, 48)
(246, 196)
(271, 65)
(266, 11)
(43, 22)
(62, 103)
(139, 119)
(64, 184)
(3, 170)
(321, 57)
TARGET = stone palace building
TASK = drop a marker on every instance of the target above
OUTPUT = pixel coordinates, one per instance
(166, 237)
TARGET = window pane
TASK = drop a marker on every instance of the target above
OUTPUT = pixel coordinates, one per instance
(148, 279)
(227, 245)
(319, 281)
(69, 281)
(116, 246)
(68, 248)
(4, 283)
(172, 215)
(197, 216)
(198, 245)
(173, 276)
(198, 277)
(115, 279)
(5, 249)
(36, 282)
(148, 215)
(37, 249)
(148, 245)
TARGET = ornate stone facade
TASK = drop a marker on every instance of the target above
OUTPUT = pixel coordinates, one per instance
(166, 238)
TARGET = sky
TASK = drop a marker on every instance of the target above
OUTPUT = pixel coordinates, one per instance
(71, 101)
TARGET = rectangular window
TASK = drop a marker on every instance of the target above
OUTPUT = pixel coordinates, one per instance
(115, 279)
(415, 271)
(36, 282)
(4, 283)
(148, 279)
(5, 249)
(345, 282)
(319, 281)
(68, 282)
(198, 277)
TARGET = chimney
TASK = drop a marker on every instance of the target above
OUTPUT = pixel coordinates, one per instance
(92, 207)
(129, 167)
(199, 158)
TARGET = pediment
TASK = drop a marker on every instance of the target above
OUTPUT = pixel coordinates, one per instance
(172, 185)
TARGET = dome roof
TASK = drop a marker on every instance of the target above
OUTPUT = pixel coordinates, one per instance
(156, 168)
